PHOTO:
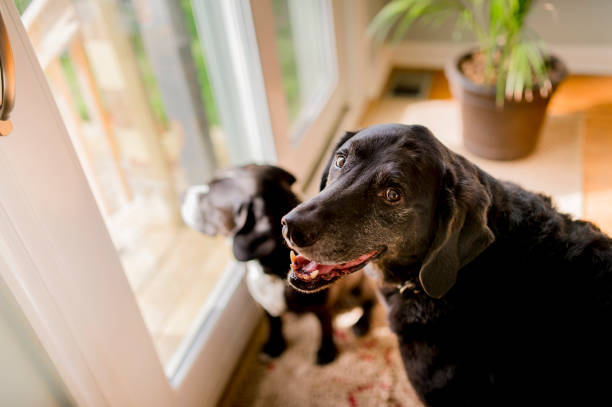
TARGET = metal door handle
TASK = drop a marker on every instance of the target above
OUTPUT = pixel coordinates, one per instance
(7, 80)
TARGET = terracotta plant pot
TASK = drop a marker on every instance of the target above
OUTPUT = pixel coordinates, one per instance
(506, 133)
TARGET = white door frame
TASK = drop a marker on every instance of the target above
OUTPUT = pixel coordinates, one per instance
(60, 264)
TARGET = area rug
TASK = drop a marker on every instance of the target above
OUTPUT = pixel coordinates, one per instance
(367, 372)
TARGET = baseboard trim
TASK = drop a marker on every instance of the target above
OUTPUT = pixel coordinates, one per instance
(581, 59)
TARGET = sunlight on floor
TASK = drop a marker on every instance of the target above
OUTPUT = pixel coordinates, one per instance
(172, 293)
(553, 169)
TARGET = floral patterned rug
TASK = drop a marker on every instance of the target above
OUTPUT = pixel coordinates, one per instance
(367, 372)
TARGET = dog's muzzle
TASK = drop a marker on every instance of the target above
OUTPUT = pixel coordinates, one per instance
(190, 206)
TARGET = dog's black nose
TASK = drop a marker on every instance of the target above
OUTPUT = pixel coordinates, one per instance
(298, 232)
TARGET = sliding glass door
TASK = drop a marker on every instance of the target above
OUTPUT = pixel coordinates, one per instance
(122, 104)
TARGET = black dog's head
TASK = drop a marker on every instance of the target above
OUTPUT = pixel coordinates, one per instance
(395, 195)
(244, 203)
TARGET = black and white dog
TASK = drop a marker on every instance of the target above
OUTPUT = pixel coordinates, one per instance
(247, 204)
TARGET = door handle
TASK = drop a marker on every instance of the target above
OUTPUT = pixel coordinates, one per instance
(7, 80)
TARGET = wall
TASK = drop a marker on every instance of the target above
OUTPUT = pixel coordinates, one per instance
(578, 31)
(27, 377)
(571, 22)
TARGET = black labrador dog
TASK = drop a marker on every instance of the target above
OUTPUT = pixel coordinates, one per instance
(247, 204)
(496, 298)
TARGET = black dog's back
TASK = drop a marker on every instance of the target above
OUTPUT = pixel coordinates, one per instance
(527, 321)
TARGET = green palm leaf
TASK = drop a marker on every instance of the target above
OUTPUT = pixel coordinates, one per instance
(513, 61)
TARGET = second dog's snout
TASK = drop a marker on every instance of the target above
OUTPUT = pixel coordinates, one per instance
(298, 232)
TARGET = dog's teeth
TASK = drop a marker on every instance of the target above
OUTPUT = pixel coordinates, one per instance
(292, 257)
(314, 274)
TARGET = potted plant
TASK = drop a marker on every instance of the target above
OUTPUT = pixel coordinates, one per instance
(504, 85)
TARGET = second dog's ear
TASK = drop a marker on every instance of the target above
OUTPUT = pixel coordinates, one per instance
(280, 175)
(253, 234)
(241, 216)
(342, 140)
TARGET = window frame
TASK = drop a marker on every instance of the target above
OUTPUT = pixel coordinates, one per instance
(67, 278)
(72, 289)
(300, 153)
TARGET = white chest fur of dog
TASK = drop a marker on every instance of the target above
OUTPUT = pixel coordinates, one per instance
(268, 290)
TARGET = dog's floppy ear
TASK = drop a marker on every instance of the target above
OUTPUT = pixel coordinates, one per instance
(280, 175)
(342, 140)
(253, 234)
(242, 213)
(462, 232)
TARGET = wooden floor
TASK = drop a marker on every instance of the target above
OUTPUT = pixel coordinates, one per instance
(590, 97)
(172, 290)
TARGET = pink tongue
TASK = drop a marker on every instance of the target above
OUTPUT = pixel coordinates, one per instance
(313, 265)
(309, 266)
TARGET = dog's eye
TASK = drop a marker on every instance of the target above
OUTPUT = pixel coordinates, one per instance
(392, 195)
(340, 160)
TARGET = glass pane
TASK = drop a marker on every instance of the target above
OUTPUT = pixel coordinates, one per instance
(286, 57)
(306, 54)
(130, 81)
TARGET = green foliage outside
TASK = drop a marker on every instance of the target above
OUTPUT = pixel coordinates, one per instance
(22, 5)
(514, 58)
(154, 95)
(286, 55)
(68, 71)
(146, 71)
(75, 90)
(284, 43)
(200, 64)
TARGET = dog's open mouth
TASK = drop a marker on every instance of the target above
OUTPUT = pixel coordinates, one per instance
(308, 275)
